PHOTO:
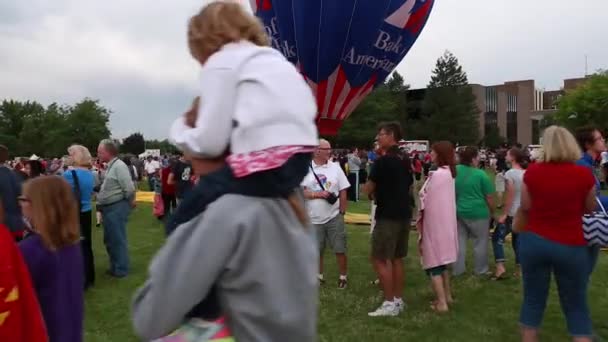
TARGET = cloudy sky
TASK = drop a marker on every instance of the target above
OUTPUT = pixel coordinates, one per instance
(132, 54)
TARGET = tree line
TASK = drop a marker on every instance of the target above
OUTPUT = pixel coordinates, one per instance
(28, 127)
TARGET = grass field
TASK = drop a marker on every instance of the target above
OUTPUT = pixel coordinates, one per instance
(484, 310)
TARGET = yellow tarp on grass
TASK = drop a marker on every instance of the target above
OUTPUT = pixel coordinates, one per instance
(349, 218)
(145, 196)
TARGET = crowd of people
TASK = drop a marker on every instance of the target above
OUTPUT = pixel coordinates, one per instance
(255, 199)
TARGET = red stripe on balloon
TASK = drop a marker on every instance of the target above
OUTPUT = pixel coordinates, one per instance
(360, 93)
(335, 92)
(418, 18)
(349, 98)
(266, 5)
(321, 94)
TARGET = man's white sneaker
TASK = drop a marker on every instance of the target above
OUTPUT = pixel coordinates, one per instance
(387, 309)
(400, 304)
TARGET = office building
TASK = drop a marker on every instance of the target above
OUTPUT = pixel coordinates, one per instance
(515, 108)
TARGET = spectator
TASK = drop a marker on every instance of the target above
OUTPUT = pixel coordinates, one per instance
(115, 199)
(325, 188)
(389, 185)
(555, 195)
(82, 181)
(167, 190)
(592, 143)
(54, 257)
(514, 180)
(33, 168)
(437, 225)
(354, 166)
(475, 207)
(152, 167)
(181, 176)
(132, 170)
(10, 189)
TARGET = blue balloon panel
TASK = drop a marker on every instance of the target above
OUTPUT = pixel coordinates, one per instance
(343, 48)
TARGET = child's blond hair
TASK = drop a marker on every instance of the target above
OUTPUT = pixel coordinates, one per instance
(220, 23)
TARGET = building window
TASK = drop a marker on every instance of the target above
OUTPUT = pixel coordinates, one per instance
(491, 99)
(535, 132)
(512, 127)
(490, 122)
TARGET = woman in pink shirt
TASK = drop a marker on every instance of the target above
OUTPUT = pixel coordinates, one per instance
(437, 227)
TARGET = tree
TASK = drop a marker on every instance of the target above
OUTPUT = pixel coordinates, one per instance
(585, 105)
(133, 144)
(450, 111)
(13, 116)
(87, 123)
(493, 139)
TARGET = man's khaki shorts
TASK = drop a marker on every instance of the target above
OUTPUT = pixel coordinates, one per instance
(390, 239)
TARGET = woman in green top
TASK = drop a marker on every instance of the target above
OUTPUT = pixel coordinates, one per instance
(474, 208)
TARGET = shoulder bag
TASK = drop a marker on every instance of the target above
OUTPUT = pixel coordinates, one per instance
(595, 227)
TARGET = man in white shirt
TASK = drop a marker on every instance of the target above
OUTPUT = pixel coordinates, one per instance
(325, 188)
(152, 167)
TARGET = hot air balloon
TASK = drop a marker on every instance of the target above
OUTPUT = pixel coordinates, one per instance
(343, 48)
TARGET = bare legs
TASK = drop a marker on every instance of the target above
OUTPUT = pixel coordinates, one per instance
(443, 292)
(342, 263)
(384, 270)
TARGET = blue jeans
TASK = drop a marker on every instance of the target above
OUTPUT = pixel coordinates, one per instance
(571, 266)
(498, 240)
(115, 217)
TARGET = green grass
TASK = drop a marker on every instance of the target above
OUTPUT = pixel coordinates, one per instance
(485, 310)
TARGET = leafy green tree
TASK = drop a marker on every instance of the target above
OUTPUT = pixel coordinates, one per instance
(450, 111)
(585, 105)
(27, 127)
(87, 123)
(493, 139)
(13, 116)
(133, 144)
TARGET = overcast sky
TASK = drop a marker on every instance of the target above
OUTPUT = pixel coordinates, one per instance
(132, 54)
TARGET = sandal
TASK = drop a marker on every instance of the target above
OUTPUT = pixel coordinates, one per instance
(501, 276)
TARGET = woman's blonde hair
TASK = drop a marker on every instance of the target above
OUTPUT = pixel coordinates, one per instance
(220, 23)
(79, 156)
(54, 211)
(559, 146)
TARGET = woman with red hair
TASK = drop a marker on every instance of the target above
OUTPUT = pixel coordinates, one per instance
(437, 225)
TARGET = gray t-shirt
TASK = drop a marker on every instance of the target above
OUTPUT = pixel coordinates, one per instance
(263, 261)
(516, 178)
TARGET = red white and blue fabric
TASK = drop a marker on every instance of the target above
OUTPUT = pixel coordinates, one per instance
(345, 48)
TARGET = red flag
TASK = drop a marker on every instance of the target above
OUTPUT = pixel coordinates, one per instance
(20, 316)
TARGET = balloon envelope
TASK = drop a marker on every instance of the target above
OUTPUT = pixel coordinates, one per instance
(343, 48)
